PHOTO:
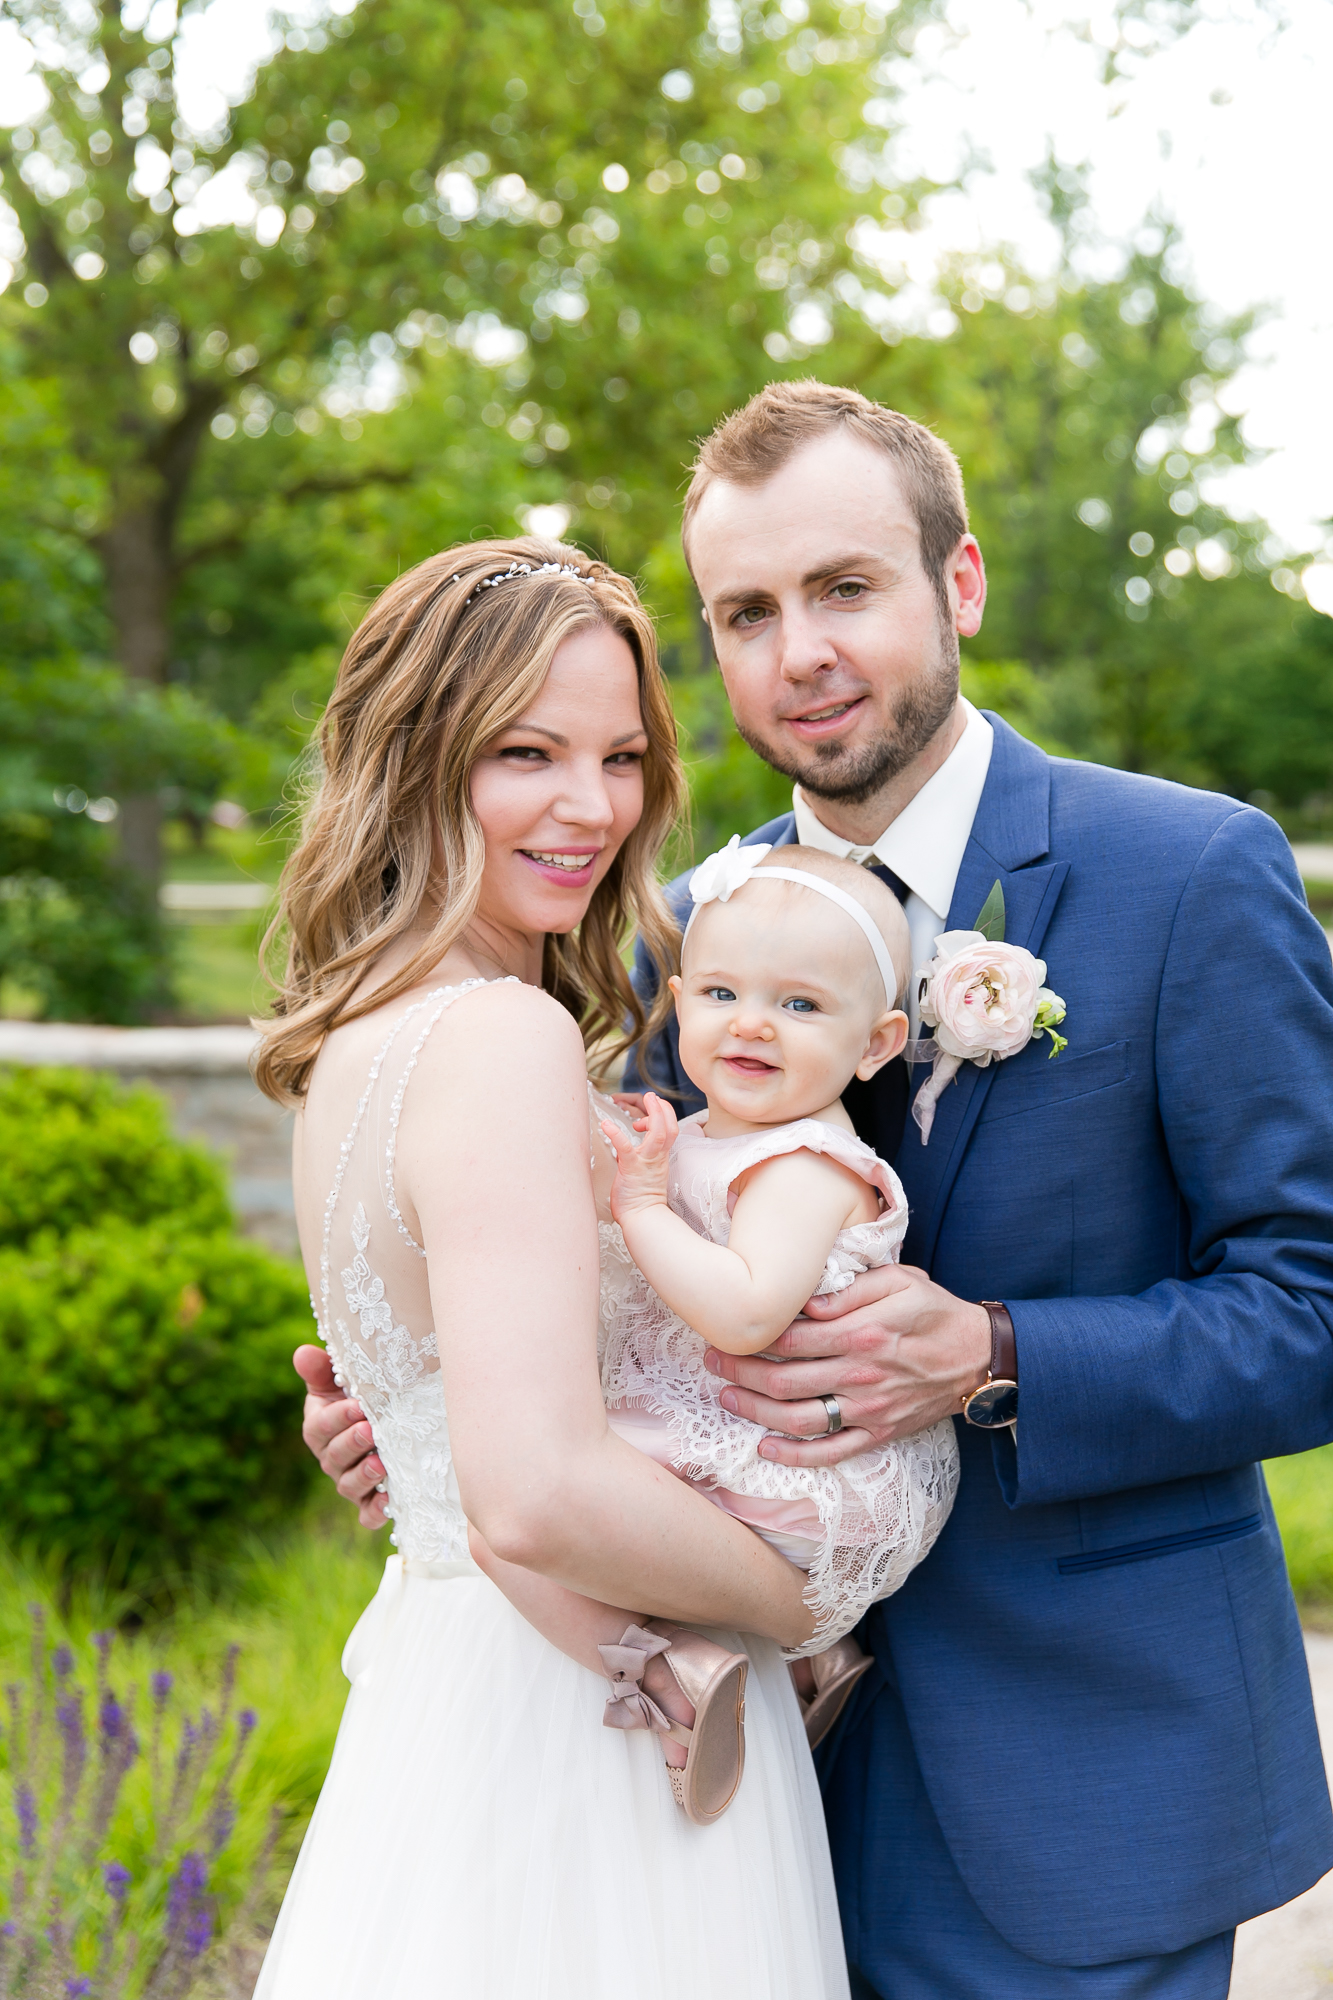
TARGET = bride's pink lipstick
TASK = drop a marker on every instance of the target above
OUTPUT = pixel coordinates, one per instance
(553, 871)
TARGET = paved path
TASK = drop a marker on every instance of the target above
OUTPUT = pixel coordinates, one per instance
(1288, 1955)
(1315, 860)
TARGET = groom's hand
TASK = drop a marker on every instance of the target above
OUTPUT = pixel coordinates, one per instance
(897, 1351)
(335, 1430)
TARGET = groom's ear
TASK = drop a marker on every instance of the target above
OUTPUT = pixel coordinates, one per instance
(886, 1039)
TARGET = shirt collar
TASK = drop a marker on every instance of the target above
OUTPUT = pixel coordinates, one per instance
(924, 846)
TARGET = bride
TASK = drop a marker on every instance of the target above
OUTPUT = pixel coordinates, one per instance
(499, 773)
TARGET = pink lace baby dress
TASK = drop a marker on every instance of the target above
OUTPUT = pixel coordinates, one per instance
(859, 1528)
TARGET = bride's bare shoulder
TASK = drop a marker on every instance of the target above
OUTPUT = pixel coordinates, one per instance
(511, 1031)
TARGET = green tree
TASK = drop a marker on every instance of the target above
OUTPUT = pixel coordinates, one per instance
(1130, 618)
(424, 198)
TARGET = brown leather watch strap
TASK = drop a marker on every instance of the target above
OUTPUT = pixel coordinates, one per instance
(1003, 1345)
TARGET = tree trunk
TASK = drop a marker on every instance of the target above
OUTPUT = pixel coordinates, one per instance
(137, 561)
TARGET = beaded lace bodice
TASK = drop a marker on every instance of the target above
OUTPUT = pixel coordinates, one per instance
(373, 1308)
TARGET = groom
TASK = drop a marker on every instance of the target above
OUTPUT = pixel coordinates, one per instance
(1087, 1750)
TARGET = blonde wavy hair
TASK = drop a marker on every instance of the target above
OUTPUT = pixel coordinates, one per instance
(438, 667)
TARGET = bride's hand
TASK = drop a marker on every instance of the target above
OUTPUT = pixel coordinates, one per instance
(641, 1181)
(335, 1430)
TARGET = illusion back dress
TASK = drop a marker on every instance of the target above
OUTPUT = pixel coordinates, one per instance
(480, 1835)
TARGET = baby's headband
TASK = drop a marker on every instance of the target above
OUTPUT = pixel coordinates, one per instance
(717, 880)
(500, 576)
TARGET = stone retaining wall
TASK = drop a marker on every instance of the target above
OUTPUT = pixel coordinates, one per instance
(204, 1075)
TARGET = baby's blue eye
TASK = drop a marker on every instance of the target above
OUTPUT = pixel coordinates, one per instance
(723, 993)
(802, 1006)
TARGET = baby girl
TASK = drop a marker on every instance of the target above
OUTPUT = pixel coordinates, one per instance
(794, 964)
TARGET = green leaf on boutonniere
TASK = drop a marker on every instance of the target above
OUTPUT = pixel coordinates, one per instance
(991, 921)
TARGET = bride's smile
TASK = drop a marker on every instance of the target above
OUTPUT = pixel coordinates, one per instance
(557, 794)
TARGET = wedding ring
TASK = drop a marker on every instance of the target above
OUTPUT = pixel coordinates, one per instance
(834, 1414)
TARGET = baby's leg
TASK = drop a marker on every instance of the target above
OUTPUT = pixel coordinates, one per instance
(577, 1626)
(823, 1678)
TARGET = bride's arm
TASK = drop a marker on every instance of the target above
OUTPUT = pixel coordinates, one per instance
(503, 1200)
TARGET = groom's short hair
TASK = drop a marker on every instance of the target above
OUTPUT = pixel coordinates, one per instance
(751, 444)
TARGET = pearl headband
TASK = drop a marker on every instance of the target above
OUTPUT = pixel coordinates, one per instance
(500, 576)
(717, 880)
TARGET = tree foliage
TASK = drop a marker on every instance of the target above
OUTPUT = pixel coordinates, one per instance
(446, 264)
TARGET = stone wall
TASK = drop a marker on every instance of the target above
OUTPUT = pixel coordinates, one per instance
(204, 1075)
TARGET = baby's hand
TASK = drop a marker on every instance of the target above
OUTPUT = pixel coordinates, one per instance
(642, 1178)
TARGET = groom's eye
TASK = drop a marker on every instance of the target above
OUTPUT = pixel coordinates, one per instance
(848, 591)
(752, 614)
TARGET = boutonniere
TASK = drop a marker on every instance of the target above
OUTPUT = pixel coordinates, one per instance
(985, 999)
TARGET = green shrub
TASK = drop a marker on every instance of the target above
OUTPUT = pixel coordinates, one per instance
(148, 1377)
(77, 1151)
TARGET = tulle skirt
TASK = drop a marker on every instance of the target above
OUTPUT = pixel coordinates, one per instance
(480, 1836)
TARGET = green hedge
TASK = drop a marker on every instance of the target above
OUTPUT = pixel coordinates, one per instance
(145, 1350)
(78, 1150)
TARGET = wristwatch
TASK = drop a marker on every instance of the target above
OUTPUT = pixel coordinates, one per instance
(994, 1405)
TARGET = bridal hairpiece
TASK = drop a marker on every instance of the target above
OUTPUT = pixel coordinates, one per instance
(717, 879)
(500, 576)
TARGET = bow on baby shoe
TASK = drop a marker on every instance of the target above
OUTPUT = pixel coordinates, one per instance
(627, 1705)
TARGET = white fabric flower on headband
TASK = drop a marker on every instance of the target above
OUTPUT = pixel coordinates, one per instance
(717, 879)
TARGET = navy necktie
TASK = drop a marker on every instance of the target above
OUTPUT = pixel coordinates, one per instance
(895, 882)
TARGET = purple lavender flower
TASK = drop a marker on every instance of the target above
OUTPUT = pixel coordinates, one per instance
(198, 1931)
(9, 1930)
(26, 1807)
(117, 1879)
(184, 1890)
(162, 1684)
(69, 1719)
(112, 1718)
(76, 1988)
(245, 1722)
(103, 1642)
(62, 1662)
(222, 1823)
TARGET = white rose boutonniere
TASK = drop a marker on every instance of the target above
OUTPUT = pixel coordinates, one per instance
(985, 999)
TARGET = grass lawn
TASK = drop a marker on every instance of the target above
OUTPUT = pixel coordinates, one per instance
(216, 971)
(1302, 1490)
(216, 974)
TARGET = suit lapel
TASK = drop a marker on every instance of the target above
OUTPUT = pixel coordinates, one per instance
(1009, 842)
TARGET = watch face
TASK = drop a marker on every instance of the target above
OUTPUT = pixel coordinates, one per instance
(993, 1406)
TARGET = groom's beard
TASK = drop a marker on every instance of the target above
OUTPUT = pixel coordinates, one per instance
(851, 773)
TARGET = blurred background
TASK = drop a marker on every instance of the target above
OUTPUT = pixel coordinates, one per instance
(290, 303)
(290, 300)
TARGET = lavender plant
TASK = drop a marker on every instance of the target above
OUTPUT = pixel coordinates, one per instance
(113, 1892)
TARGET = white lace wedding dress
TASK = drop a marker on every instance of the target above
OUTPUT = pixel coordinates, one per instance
(480, 1835)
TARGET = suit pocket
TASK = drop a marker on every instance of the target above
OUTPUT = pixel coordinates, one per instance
(1160, 1545)
(1032, 1081)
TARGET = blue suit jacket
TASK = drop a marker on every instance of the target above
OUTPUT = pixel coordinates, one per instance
(1100, 1662)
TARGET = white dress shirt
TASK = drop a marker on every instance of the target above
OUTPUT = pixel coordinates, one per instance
(924, 846)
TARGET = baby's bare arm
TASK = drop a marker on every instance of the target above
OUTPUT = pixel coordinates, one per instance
(740, 1296)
